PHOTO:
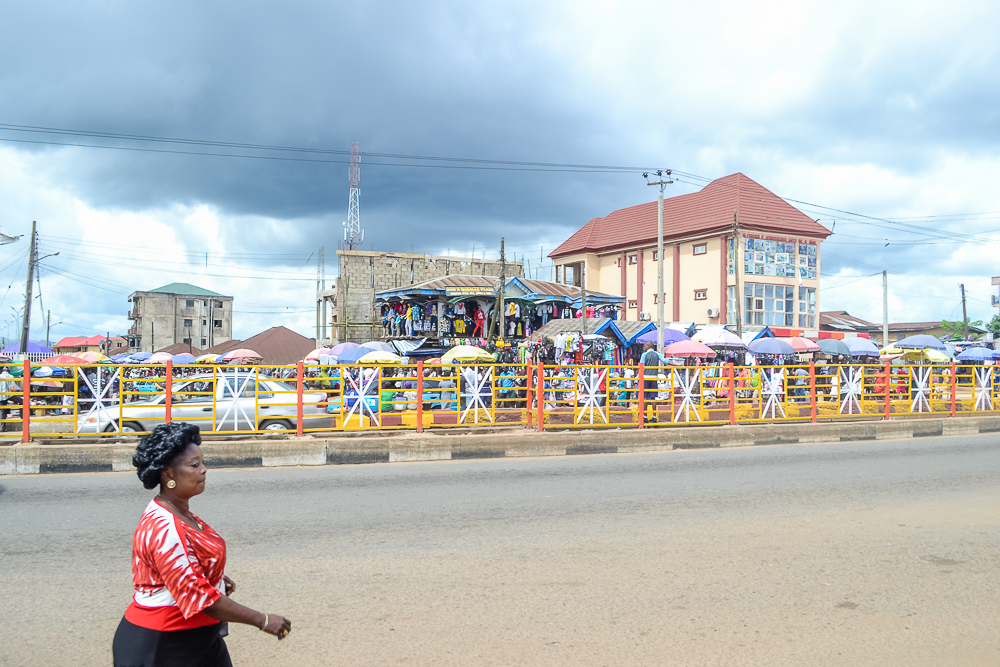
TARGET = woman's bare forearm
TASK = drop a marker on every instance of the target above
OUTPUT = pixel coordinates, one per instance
(227, 610)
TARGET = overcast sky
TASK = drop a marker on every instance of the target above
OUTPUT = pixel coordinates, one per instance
(887, 110)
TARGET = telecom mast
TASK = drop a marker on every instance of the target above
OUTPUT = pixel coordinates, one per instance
(353, 234)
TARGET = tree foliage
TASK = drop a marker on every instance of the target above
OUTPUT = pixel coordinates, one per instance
(956, 329)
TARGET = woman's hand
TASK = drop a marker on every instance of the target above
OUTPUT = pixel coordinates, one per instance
(230, 585)
(279, 626)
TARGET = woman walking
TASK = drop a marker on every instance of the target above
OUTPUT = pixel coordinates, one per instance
(182, 596)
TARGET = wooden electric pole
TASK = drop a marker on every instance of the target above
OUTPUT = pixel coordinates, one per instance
(32, 254)
(965, 317)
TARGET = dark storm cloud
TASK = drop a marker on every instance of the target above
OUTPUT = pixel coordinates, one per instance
(397, 78)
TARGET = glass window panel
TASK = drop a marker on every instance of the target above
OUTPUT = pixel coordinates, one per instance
(758, 289)
(768, 304)
(748, 289)
(769, 291)
(758, 318)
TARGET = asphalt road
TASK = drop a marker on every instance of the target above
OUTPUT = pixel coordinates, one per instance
(868, 553)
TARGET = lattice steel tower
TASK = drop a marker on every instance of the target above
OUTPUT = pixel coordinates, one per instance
(354, 236)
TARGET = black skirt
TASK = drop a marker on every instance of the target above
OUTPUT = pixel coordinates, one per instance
(135, 646)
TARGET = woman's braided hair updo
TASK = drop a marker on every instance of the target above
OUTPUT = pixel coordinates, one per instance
(158, 450)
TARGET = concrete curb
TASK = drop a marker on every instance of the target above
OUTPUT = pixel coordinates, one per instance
(34, 459)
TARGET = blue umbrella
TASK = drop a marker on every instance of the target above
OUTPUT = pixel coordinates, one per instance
(772, 346)
(351, 356)
(140, 356)
(975, 354)
(33, 348)
(920, 342)
(669, 336)
(861, 347)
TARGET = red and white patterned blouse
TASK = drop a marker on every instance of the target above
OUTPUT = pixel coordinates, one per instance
(176, 570)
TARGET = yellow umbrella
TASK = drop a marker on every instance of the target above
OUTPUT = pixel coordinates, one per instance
(92, 357)
(926, 355)
(207, 359)
(467, 353)
(380, 357)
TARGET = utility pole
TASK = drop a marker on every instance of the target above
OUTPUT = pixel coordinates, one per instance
(32, 254)
(738, 270)
(583, 295)
(965, 317)
(48, 326)
(885, 308)
(662, 183)
(498, 313)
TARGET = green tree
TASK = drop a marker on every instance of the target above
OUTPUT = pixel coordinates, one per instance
(994, 326)
(955, 328)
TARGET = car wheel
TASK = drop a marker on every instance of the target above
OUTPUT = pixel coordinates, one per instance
(276, 425)
(130, 427)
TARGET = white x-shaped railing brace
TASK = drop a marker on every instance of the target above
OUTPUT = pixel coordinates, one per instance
(236, 383)
(771, 385)
(851, 382)
(921, 391)
(99, 391)
(685, 386)
(984, 388)
(475, 395)
(591, 386)
(363, 392)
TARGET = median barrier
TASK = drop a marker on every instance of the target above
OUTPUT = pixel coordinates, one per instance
(454, 445)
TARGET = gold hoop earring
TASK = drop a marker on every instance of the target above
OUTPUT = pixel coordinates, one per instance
(171, 484)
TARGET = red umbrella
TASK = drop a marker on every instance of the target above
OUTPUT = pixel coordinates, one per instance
(61, 359)
(688, 348)
(800, 344)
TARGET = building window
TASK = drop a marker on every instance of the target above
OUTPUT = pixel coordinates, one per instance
(633, 304)
(203, 342)
(217, 323)
(187, 341)
(188, 323)
(731, 310)
(700, 294)
(700, 248)
(807, 307)
(217, 304)
(569, 275)
(656, 255)
(656, 300)
(189, 303)
(769, 304)
(204, 322)
(559, 274)
(633, 259)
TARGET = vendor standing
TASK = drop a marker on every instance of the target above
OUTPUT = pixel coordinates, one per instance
(650, 361)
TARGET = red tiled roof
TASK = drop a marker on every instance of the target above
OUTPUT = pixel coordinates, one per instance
(79, 341)
(277, 345)
(706, 211)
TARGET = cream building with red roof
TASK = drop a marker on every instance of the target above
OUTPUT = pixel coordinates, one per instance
(779, 257)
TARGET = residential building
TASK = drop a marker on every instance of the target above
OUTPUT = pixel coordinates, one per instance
(777, 263)
(76, 344)
(179, 313)
(349, 308)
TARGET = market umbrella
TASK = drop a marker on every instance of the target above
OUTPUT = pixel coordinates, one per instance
(317, 353)
(772, 346)
(835, 346)
(47, 383)
(43, 372)
(93, 357)
(60, 359)
(467, 353)
(183, 358)
(926, 356)
(688, 348)
(351, 356)
(800, 344)
(33, 348)
(378, 345)
(120, 358)
(861, 347)
(160, 358)
(720, 339)
(920, 342)
(206, 359)
(594, 337)
(240, 354)
(140, 356)
(669, 336)
(975, 354)
(340, 348)
(380, 357)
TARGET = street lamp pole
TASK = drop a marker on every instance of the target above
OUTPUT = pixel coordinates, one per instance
(662, 183)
